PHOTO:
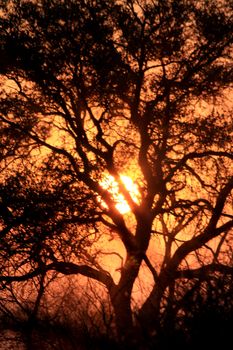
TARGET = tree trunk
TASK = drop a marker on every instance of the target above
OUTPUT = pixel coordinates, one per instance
(121, 301)
(149, 315)
(123, 316)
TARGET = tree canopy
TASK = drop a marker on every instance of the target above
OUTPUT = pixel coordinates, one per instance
(94, 90)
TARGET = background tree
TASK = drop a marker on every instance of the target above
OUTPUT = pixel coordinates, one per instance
(91, 91)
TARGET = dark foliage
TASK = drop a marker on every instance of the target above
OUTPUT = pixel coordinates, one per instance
(92, 90)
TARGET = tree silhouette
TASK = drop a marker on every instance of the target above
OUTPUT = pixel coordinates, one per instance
(92, 89)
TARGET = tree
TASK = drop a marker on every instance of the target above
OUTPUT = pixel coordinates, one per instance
(112, 88)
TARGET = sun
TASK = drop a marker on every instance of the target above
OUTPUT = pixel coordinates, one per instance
(110, 184)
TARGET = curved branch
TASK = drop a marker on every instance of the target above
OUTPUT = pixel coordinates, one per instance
(66, 268)
(151, 267)
(209, 233)
(194, 155)
(69, 268)
(204, 271)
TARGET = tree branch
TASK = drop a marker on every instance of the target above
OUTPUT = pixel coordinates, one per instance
(194, 155)
(66, 268)
(209, 233)
(203, 271)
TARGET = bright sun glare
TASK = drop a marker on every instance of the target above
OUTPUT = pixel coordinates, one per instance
(110, 184)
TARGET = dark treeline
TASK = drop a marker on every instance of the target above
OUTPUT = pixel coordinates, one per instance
(206, 322)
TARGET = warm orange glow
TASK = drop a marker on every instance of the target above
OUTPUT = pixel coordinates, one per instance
(110, 184)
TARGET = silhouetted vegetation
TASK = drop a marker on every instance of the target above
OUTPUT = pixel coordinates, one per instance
(93, 92)
(206, 321)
